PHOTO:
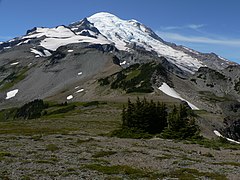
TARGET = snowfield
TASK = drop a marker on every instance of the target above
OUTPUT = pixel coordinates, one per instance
(61, 36)
(171, 92)
(123, 32)
(12, 94)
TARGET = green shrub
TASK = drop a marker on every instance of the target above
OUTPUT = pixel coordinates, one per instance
(136, 78)
(145, 116)
(181, 124)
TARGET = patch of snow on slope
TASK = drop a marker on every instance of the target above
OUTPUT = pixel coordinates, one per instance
(122, 33)
(69, 97)
(12, 94)
(123, 63)
(24, 42)
(80, 90)
(171, 92)
(37, 52)
(219, 135)
(80, 73)
(222, 58)
(60, 36)
(70, 50)
(58, 32)
(54, 43)
(47, 53)
(15, 63)
(190, 50)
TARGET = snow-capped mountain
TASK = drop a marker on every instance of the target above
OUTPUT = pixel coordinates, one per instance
(125, 35)
(86, 60)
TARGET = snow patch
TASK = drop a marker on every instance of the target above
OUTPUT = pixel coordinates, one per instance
(76, 87)
(15, 63)
(12, 94)
(190, 50)
(80, 73)
(37, 52)
(69, 97)
(80, 90)
(123, 63)
(70, 50)
(219, 135)
(171, 92)
(24, 42)
(222, 58)
(47, 53)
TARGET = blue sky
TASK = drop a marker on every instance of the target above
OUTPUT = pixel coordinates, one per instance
(204, 25)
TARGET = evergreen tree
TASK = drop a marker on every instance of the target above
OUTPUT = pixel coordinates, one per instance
(145, 116)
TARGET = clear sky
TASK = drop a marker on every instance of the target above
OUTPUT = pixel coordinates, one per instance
(204, 25)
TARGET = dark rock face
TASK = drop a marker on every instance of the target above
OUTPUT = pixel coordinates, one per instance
(233, 129)
(83, 25)
(232, 120)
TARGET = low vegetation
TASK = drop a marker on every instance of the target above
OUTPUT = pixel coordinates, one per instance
(13, 79)
(136, 78)
(38, 108)
(120, 169)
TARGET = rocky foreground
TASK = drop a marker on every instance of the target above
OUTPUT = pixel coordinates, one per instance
(84, 156)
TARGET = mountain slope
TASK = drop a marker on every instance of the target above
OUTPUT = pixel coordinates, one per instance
(65, 63)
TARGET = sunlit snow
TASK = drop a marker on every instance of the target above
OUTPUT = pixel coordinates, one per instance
(69, 97)
(171, 92)
(60, 36)
(15, 63)
(80, 73)
(80, 90)
(219, 135)
(123, 32)
(47, 53)
(37, 52)
(123, 63)
(70, 50)
(12, 94)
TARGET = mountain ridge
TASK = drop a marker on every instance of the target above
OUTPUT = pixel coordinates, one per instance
(123, 40)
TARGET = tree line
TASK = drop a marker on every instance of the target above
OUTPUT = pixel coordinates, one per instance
(155, 118)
